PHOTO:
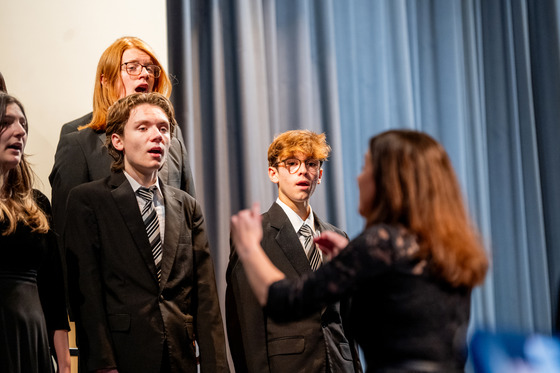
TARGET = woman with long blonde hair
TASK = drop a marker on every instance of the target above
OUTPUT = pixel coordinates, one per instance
(32, 297)
(410, 272)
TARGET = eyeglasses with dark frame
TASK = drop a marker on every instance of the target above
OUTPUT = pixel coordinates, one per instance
(135, 69)
(293, 165)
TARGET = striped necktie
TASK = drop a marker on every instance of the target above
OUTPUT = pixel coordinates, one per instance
(150, 218)
(310, 248)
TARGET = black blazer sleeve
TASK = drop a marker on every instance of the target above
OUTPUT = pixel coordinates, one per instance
(244, 318)
(179, 150)
(50, 279)
(82, 244)
(70, 169)
(209, 330)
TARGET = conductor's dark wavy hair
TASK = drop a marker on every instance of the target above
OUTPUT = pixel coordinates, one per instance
(416, 187)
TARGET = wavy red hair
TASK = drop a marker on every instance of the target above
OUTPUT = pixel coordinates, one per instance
(416, 187)
(109, 68)
(305, 142)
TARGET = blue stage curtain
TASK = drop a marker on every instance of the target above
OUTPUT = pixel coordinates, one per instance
(482, 76)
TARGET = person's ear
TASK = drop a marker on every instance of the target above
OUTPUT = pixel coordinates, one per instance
(320, 176)
(273, 174)
(117, 142)
(102, 80)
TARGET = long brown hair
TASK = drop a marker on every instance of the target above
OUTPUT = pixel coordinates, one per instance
(109, 68)
(16, 194)
(3, 84)
(416, 187)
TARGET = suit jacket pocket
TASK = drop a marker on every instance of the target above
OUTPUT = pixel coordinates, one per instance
(119, 322)
(286, 345)
(345, 351)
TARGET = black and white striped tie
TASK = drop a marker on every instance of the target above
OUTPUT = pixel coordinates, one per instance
(151, 222)
(310, 248)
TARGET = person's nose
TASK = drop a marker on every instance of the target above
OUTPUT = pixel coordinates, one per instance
(19, 130)
(144, 72)
(302, 168)
(156, 135)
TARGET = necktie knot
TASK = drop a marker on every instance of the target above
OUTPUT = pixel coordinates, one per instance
(306, 231)
(147, 194)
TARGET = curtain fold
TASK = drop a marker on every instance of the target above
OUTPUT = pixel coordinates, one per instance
(481, 76)
(545, 54)
(520, 254)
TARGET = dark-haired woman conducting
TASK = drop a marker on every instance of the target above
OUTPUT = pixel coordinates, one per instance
(32, 299)
(410, 272)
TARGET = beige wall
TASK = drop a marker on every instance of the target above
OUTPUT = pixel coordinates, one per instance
(49, 52)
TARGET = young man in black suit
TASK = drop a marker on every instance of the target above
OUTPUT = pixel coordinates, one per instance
(317, 343)
(141, 278)
(127, 66)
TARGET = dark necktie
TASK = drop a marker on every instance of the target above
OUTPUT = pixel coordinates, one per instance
(310, 248)
(151, 222)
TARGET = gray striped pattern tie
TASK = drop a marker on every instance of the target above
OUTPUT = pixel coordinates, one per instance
(151, 222)
(310, 248)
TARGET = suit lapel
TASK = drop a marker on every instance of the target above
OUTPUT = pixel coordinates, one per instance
(287, 239)
(128, 206)
(173, 221)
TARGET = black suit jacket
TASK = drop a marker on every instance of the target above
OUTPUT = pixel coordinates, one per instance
(123, 315)
(81, 157)
(259, 344)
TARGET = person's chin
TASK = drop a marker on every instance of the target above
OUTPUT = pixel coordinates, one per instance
(160, 163)
(363, 212)
(303, 196)
(6, 166)
(153, 165)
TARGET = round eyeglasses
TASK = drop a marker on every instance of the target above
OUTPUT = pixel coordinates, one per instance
(135, 69)
(293, 165)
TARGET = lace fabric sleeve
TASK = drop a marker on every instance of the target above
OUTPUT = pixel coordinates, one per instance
(369, 255)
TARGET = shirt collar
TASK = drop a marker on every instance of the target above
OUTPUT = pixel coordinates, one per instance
(295, 219)
(135, 184)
